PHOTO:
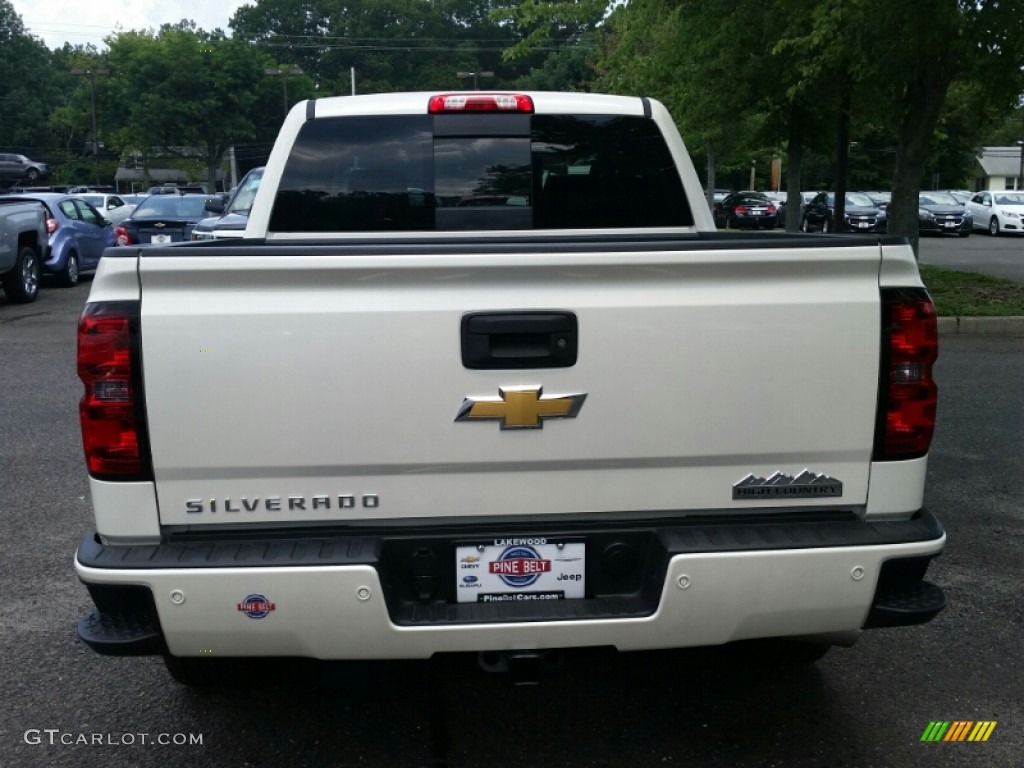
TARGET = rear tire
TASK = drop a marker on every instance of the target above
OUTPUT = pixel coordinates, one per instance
(826, 226)
(805, 225)
(21, 284)
(68, 277)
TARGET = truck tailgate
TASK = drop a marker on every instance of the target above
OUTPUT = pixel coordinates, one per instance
(323, 383)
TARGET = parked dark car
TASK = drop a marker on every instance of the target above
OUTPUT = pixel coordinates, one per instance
(861, 214)
(879, 198)
(78, 235)
(18, 168)
(961, 195)
(174, 189)
(805, 198)
(779, 200)
(162, 219)
(746, 209)
(940, 212)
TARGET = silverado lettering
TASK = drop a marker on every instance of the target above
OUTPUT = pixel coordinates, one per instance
(273, 503)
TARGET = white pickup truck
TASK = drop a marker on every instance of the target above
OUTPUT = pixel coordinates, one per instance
(23, 245)
(482, 376)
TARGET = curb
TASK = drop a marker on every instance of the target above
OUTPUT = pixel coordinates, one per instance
(982, 326)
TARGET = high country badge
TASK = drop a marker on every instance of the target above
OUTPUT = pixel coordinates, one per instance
(806, 485)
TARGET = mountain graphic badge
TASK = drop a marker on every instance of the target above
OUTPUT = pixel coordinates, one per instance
(805, 485)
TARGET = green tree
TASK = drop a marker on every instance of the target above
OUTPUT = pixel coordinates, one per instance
(26, 88)
(183, 86)
(736, 94)
(393, 45)
(826, 65)
(538, 23)
(963, 126)
(910, 56)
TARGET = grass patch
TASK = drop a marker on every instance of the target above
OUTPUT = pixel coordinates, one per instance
(965, 294)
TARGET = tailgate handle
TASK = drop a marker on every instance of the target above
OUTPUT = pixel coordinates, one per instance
(498, 340)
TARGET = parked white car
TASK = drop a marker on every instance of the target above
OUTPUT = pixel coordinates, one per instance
(113, 207)
(998, 211)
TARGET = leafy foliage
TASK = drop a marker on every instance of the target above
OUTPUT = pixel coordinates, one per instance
(745, 79)
(182, 87)
(732, 85)
(25, 88)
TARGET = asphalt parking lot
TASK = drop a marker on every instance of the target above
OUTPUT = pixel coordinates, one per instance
(864, 706)
(1001, 256)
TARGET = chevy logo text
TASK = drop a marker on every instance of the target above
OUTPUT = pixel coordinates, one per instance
(316, 503)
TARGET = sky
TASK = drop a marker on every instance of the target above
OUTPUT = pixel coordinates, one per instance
(80, 22)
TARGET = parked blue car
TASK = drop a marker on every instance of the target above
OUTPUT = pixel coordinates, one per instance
(78, 235)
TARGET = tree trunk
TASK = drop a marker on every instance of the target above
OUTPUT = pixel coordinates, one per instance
(842, 153)
(926, 93)
(711, 179)
(794, 201)
(794, 159)
(214, 155)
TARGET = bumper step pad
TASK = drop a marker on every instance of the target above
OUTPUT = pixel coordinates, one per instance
(901, 605)
(121, 634)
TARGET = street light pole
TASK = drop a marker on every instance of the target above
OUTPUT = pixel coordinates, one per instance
(475, 76)
(92, 72)
(283, 73)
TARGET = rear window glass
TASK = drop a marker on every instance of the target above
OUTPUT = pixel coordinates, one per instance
(937, 198)
(172, 207)
(410, 173)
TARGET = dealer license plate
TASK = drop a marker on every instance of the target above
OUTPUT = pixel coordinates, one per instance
(160, 239)
(520, 569)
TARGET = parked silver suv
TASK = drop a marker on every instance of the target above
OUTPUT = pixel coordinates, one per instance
(18, 167)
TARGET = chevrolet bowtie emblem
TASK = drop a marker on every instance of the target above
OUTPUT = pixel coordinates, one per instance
(520, 408)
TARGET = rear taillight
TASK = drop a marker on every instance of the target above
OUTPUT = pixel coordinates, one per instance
(772, 209)
(480, 102)
(122, 236)
(741, 209)
(907, 394)
(111, 411)
(51, 226)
